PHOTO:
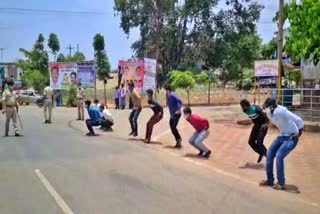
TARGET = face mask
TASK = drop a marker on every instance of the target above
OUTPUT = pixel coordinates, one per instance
(267, 111)
(11, 88)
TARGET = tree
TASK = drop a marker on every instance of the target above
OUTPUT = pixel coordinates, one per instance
(268, 50)
(304, 35)
(182, 79)
(186, 32)
(76, 57)
(206, 78)
(61, 58)
(35, 65)
(103, 67)
(53, 44)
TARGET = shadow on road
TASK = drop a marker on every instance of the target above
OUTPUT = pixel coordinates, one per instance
(292, 189)
(254, 166)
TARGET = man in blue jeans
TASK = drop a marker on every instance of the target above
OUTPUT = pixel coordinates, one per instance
(136, 110)
(290, 127)
(95, 118)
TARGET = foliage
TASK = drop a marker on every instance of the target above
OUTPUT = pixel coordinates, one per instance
(293, 76)
(204, 78)
(183, 80)
(98, 42)
(72, 94)
(77, 57)
(61, 58)
(53, 43)
(35, 79)
(191, 31)
(35, 66)
(268, 50)
(303, 41)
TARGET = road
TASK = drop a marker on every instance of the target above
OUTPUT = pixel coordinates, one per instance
(114, 175)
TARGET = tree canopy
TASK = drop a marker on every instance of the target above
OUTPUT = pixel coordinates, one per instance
(193, 31)
(53, 43)
(304, 34)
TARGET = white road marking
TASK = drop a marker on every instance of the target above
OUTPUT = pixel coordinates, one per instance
(62, 204)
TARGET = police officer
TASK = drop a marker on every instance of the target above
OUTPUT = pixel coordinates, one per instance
(10, 108)
(80, 99)
(48, 103)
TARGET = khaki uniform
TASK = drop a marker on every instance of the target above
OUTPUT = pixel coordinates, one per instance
(10, 98)
(80, 99)
(48, 105)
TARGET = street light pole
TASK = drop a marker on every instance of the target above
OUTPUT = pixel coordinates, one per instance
(280, 46)
(1, 53)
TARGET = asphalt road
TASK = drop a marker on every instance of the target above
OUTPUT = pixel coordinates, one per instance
(107, 175)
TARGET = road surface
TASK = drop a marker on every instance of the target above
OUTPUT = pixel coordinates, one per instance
(56, 169)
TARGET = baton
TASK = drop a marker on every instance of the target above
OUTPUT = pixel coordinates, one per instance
(19, 120)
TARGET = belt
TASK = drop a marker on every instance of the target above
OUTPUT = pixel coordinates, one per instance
(10, 106)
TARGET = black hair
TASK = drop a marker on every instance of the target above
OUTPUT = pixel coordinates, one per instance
(73, 73)
(87, 102)
(117, 87)
(244, 103)
(270, 102)
(187, 110)
(10, 82)
(101, 106)
(96, 101)
(126, 68)
(55, 68)
(168, 87)
(150, 91)
(138, 68)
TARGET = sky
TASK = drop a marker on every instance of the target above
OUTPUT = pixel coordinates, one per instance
(21, 29)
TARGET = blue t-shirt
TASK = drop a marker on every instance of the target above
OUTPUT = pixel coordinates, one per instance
(173, 103)
(94, 113)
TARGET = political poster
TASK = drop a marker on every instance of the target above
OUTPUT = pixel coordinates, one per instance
(86, 74)
(63, 75)
(131, 72)
(150, 66)
(266, 68)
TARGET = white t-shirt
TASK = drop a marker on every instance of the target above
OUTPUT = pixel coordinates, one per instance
(106, 114)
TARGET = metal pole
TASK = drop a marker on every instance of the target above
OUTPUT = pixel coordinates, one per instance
(1, 51)
(280, 45)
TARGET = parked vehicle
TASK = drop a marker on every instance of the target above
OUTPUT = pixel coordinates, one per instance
(27, 97)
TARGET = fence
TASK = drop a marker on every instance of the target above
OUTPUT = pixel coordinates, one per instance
(305, 102)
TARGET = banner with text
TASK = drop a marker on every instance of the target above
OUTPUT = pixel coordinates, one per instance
(131, 71)
(267, 68)
(150, 66)
(86, 74)
(63, 75)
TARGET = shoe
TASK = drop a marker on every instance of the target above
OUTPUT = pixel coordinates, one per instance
(266, 183)
(17, 134)
(131, 133)
(260, 158)
(6, 135)
(200, 153)
(279, 187)
(49, 122)
(90, 134)
(79, 119)
(207, 154)
(135, 134)
(178, 144)
(46, 121)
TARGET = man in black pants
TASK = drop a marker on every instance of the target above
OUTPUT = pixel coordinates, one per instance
(174, 104)
(260, 128)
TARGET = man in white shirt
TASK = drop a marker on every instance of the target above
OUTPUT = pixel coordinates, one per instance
(96, 103)
(290, 127)
(107, 120)
(48, 103)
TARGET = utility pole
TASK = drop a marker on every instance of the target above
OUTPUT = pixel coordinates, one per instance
(70, 48)
(77, 48)
(280, 45)
(1, 53)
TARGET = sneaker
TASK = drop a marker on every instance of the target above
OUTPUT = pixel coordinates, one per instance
(131, 133)
(200, 153)
(90, 134)
(135, 134)
(207, 154)
(46, 121)
(260, 158)
(266, 183)
(17, 134)
(79, 119)
(178, 144)
(279, 187)
(49, 121)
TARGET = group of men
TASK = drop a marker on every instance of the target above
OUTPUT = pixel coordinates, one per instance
(289, 124)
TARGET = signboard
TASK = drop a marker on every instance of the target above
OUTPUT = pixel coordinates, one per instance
(63, 75)
(131, 71)
(86, 74)
(268, 68)
(150, 66)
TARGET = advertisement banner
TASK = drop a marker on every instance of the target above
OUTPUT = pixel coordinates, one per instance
(267, 68)
(86, 74)
(131, 71)
(150, 66)
(63, 75)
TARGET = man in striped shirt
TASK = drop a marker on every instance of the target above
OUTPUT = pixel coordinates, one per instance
(259, 129)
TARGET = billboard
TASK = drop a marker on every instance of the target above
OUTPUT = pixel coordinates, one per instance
(267, 68)
(86, 74)
(150, 66)
(131, 71)
(63, 75)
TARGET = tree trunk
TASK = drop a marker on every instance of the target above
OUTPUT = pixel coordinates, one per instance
(209, 93)
(188, 91)
(105, 92)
